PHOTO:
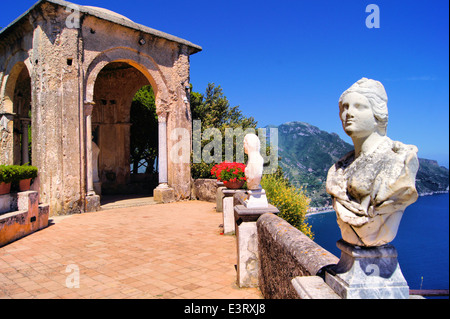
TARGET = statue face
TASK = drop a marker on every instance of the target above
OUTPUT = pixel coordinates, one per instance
(356, 115)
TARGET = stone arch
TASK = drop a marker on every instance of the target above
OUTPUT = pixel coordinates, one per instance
(141, 62)
(14, 66)
(15, 148)
(112, 128)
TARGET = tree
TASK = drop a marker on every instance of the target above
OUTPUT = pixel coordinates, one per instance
(214, 111)
(144, 130)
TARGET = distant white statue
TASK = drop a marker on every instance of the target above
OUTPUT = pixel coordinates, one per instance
(254, 168)
(372, 185)
(254, 172)
(95, 153)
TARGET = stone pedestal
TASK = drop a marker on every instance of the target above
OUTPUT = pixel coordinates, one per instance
(228, 210)
(257, 199)
(219, 198)
(164, 194)
(93, 203)
(247, 243)
(367, 273)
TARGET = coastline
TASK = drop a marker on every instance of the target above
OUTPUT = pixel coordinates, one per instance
(319, 210)
(433, 193)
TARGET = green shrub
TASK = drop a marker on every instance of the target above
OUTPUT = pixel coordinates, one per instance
(6, 174)
(202, 170)
(26, 172)
(15, 173)
(290, 201)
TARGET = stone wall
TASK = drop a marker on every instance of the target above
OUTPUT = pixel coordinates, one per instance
(204, 189)
(21, 215)
(285, 253)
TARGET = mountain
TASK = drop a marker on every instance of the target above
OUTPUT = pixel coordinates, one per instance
(431, 178)
(307, 153)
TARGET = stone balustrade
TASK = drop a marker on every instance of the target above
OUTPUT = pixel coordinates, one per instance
(286, 264)
(286, 253)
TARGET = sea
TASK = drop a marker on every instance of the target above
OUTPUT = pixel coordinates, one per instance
(422, 241)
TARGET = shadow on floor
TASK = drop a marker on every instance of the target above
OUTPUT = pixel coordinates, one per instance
(121, 201)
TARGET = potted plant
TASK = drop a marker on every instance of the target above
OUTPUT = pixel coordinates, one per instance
(6, 178)
(231, 174)
(25, 174)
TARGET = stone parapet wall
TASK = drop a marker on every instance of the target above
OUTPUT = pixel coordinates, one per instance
(204, 190)
(284, 254)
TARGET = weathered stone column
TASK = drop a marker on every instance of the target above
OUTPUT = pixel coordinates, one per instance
(163, 193)
(25, 156)
(92, 200)
(88, 107)
(162, 151)
(6, 138)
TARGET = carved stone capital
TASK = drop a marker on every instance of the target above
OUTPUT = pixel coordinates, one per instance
(162, 116)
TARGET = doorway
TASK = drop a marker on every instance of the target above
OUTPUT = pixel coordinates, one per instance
(124, 126)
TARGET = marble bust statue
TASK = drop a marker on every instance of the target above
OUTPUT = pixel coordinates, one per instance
(372, 185)
(254, 168)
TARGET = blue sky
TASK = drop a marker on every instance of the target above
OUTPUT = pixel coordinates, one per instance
(285, 61)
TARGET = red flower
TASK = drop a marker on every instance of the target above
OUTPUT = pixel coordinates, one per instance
(229, 171)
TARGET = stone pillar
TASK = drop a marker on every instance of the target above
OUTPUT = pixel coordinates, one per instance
(92, 200)
(163, 193)
(96, 178)
(228, 210)
(25, 156)
(6, 138)
(88, 107)
(219, 197)
(162, 151)
(367, 273)
(247, 243)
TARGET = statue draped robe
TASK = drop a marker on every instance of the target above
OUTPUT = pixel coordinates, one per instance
(371, 192)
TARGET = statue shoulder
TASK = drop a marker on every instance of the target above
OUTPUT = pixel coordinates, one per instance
(406, 152)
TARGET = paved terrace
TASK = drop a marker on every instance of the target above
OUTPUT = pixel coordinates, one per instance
(171, 251)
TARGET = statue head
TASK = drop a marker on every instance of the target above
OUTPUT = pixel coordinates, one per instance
(365, 93)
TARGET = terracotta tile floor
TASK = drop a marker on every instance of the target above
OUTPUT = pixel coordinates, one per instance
(170, 251)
